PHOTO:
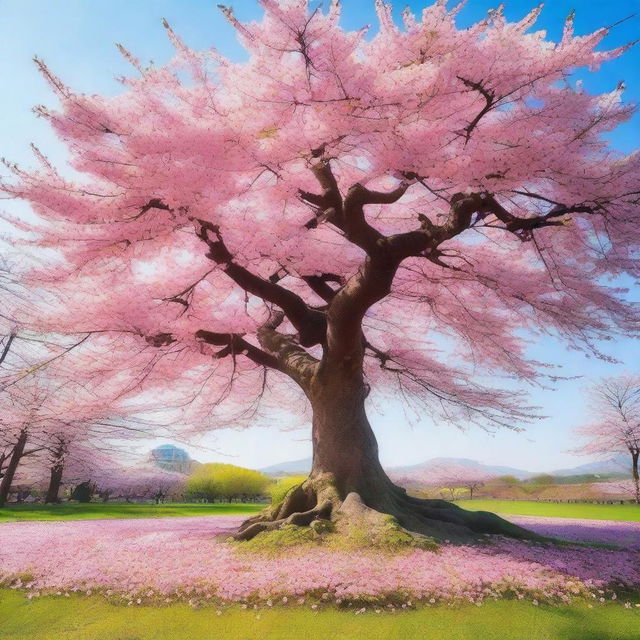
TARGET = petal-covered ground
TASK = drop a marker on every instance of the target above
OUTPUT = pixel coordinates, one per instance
(187, 558)
(622, 534)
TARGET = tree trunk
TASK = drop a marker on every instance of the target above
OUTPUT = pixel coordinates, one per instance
(635, 454)
(16, 455)
(55, 480)
(57, 469)
(347, 480)
(344, 444)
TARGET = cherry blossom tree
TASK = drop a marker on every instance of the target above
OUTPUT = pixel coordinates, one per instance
(341, 214)
(21, 412)
(461, 476)
(616, 424)
(136, 481)
(55, 412)
(447, 476)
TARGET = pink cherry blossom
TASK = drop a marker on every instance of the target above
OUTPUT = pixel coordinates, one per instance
(427, 113)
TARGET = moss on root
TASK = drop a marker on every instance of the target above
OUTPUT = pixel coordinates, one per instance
(285, 537)
(389, 537)
(311, 511)
(386, 535)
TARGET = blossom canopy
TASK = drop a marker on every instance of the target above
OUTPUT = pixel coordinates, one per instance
(240, 211)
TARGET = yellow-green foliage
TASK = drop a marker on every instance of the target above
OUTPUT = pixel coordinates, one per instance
(278, 490)
(388, 535)
(280, 539)
(215, 481)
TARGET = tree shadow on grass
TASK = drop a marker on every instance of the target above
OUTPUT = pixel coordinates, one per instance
(577, 625)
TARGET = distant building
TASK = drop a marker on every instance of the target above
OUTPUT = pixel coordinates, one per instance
(171, 458)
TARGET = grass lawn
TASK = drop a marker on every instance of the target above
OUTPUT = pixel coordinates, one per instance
(91, 618)
(96, 510)
(628, 512)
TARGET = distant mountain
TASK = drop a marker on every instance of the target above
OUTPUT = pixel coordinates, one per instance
(295, 467)
(290, 468)
(418, 470)
(619, 464)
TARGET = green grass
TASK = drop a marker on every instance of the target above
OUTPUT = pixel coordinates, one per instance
(96, 510)
(620, 512)
(91, 618)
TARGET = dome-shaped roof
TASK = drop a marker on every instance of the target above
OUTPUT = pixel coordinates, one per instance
(169, 452)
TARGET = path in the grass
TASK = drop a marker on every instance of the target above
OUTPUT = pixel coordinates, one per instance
(187, 558)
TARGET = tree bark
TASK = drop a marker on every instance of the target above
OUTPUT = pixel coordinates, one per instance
(57, 468)
(344, 444)
(55, 480)
(16, 455)
(347, 479)
(635, 454)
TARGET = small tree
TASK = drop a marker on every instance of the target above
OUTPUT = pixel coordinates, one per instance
(452, 477)
(215, 481)
(616, 427)
(83, 492)
(508, 480)
(279, 489)
(541, 479)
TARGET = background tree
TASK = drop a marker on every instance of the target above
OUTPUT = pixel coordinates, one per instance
(83, 492)
(279, 489)
(450, 478)
(23, 413)
(216, 481)
(469, 479)
(341, 214)
(616, 425)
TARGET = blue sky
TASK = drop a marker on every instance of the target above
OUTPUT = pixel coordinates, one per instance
(76, 38)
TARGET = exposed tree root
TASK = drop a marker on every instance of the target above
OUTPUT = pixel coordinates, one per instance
(318, 499)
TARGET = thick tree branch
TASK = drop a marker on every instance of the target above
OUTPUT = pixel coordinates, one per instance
(319, 285)
(523, 227)
(425, 241)
(280, 352)
(309, 323)
(292, 358)
(356, 227)
(374, 279)
(328, 204)
(346, 310)
(429, 236)
(348, 214)
(231, 343)
(234, 343)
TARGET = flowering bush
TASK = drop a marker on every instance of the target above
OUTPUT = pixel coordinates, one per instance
(188, 559)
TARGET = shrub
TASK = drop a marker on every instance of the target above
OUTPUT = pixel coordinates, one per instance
(83, 492)
(278, 490)
(216, 481)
